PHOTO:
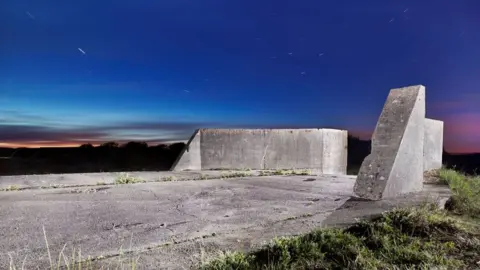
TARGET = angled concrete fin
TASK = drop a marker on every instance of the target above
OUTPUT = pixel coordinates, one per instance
(395, 164)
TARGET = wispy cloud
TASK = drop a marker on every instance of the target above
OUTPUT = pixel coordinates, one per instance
(462, 130)
(24, 135)
(23, 129)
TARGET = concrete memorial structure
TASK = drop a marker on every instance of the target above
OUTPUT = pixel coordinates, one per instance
(433, 145)
(322, 150)
(395, 164)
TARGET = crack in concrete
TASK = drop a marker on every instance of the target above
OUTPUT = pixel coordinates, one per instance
(66, 186)
(139, 251)
(122, 226)
(193, 239)
(183, 212)
(264, 162)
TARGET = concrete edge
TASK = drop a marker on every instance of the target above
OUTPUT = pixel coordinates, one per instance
(187, 146)
(20, 184)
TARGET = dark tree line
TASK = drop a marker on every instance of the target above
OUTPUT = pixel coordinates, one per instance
(138, 156)
(359, 149)
(108, 157)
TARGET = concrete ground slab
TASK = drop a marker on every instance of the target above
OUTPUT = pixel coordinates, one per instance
(197, 216)
(93, 179)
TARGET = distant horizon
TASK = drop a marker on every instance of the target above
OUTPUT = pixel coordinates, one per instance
(362, 136)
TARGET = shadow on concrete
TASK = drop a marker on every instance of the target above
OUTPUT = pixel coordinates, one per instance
(355, 209)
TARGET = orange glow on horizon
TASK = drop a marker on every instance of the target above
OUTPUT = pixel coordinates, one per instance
(44, 144)
(452, 148)
(69, 144)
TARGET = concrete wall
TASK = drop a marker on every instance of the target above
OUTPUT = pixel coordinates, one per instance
(189, 158)
(395, 164)
(433, 145)
(232, 148)
(293, 148)
(323, 150)
(335, 151)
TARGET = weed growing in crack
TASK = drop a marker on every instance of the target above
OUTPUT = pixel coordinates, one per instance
(285, 172)
(235, 174)
(11, 188)
(125, 178)
(168, 178)
(301, 216)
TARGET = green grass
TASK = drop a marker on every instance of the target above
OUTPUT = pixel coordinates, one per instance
(413, 238)
(230, 169)
(235, 174)
(11, 188)
(125, 178)
(466, 192)
(285, 172)
(170, 178)
(203, 177)
(401, 239)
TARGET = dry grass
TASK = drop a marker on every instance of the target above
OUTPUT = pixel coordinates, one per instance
(75, 261)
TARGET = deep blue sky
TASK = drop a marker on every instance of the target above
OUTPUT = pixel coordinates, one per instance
(92, 71)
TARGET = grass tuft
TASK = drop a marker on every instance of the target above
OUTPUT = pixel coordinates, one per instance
(170, 178)
(235, 174)
(125, 178)
(285, 172)
(11, 188)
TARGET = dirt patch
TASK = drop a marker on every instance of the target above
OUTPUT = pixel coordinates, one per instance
(432, 177)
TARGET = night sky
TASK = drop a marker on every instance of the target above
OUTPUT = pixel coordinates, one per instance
(73, 72)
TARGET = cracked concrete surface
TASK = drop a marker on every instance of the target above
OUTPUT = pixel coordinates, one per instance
(92, 179)
(172, 225)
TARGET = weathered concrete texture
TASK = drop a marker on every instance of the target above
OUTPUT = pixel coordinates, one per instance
(192, 216)
(433, 145)
(395, 165)
(335, 148)
(297, 148)
(233, 148)
(189, 158)
(93, 179)
(323, 150)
